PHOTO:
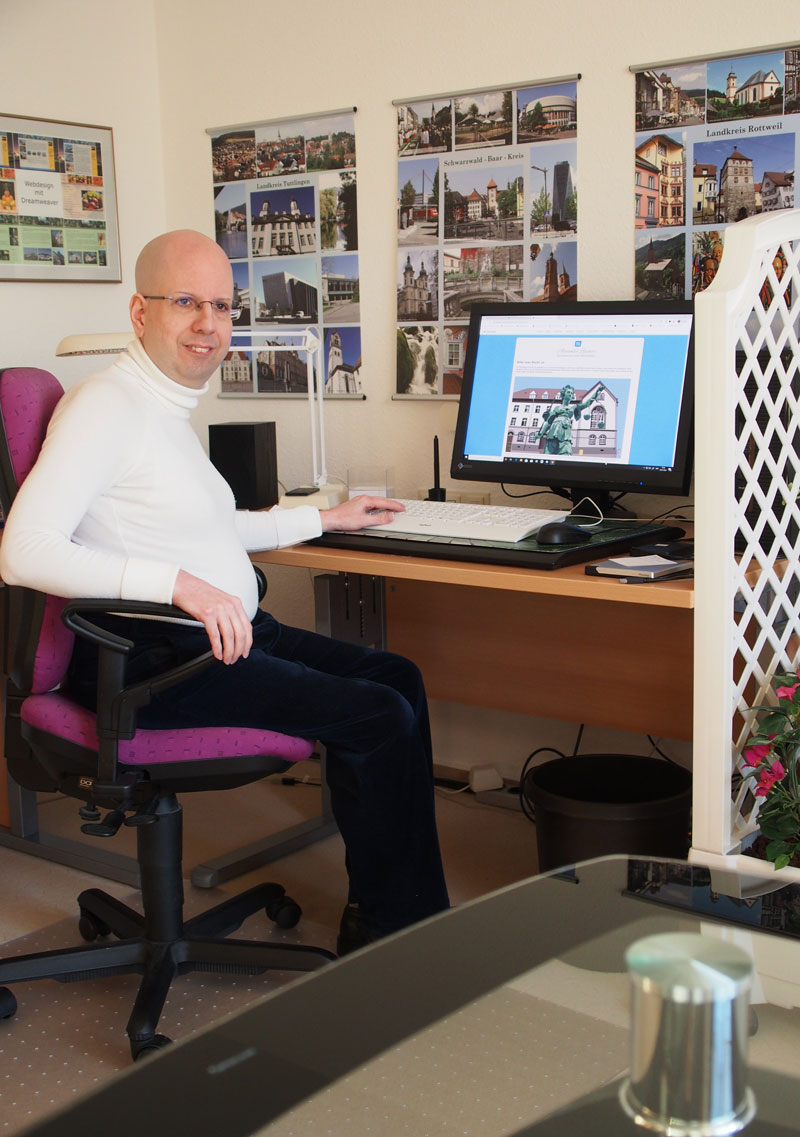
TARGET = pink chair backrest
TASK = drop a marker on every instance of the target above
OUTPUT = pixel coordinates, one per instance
(53, 650)
(28, 397)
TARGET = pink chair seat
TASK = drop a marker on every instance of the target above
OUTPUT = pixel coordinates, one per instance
(60, 716)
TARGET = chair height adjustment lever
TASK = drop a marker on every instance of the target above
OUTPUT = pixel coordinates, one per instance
(145, 813)
(107, 827)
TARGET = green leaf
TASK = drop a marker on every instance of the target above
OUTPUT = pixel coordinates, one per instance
(778, 825)
(775, 848)
(773, 723)
(759, 738)
(780, 853)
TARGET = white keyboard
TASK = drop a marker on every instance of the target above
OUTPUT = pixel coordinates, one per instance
(461, 520)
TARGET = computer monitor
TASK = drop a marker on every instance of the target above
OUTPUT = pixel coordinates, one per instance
(590, 399)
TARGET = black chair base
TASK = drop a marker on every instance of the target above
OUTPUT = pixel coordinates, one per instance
(157, 944)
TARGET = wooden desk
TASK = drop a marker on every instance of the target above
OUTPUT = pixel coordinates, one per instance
(558, 644)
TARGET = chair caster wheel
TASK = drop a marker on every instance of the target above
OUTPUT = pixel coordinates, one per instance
(90, 927)
(141, 1049)
(284, 912)
(8, 1004)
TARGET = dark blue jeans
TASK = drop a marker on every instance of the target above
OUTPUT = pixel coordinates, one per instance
(369, 709)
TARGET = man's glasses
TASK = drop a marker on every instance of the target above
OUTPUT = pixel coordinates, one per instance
(185, 302)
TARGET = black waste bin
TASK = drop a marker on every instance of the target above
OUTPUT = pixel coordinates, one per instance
(590, 805)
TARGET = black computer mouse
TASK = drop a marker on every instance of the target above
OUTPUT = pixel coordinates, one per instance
(561, 533)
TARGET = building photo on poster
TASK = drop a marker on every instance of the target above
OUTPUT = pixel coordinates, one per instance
(285, 213)
(716, 142)
(487, 212)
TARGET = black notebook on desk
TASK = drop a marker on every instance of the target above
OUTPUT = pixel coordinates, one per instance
(607, 538)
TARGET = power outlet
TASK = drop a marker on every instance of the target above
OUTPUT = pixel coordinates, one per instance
(476, 498)
(484, 778)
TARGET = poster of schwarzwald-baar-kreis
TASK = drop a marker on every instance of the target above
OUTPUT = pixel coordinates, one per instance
(487, 211)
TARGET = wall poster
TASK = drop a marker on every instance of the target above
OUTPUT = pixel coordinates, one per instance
(285, 214)
(58, 201)
(716, 141)
(487, 211)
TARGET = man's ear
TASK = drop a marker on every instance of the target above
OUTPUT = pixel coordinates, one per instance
(137, 310)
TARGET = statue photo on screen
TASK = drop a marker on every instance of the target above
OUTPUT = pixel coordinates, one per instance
(556, 428)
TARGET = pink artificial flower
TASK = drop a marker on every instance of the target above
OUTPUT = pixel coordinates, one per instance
(756, 754)
(768, 778)
(786, 692)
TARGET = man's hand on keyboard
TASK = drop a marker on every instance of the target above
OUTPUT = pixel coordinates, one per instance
(358, 513)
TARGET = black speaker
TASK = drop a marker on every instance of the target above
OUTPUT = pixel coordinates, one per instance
(246, 455)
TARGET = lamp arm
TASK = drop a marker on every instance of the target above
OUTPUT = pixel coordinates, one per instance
(311, 346)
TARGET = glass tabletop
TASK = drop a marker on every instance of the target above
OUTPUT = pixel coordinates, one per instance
(554, 1041)
(492, 1019)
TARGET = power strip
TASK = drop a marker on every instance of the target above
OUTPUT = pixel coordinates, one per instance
(507, 798)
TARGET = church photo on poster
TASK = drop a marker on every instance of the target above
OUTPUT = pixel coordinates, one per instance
(716, 143)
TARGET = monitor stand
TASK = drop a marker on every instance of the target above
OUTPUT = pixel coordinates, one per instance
(602, 499)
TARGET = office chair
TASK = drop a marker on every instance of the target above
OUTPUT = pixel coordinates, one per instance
(105, 762)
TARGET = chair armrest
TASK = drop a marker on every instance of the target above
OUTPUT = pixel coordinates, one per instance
(113, 695)
(74, 608)
(117, 704)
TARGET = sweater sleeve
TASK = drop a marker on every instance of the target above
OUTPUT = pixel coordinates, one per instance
(82, 455)
(276, 528)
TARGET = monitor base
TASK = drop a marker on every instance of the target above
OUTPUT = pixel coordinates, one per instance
(603, 502)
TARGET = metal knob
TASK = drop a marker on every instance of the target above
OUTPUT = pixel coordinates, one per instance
(689, 1036)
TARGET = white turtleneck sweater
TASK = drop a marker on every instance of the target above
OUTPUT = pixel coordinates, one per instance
(123, 496)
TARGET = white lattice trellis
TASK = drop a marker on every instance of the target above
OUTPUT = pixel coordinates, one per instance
(747, 473)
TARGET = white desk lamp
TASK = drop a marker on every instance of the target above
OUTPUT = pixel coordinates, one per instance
(90, 343)
(322, 493)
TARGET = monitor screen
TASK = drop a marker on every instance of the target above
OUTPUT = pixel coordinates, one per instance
(590, 399)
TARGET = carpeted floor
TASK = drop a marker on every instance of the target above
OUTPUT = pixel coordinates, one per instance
(67, 1038)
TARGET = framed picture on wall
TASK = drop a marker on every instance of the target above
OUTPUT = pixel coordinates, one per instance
(58, 201)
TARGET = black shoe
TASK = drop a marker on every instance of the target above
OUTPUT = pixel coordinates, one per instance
(353, 932)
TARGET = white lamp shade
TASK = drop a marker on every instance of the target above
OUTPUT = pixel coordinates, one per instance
(91, 343)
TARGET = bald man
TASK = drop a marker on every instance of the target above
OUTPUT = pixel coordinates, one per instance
(124, 503)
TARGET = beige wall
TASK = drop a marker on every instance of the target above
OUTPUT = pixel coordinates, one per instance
(161, 71)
